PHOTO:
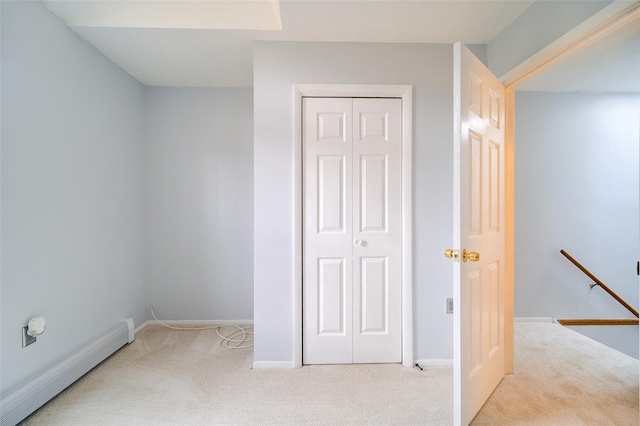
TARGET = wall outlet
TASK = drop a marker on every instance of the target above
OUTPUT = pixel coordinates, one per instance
(449, 305)
(26, 339)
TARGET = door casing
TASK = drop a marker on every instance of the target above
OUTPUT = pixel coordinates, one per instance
(404, 92)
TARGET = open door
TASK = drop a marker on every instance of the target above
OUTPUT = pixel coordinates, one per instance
(478, 250)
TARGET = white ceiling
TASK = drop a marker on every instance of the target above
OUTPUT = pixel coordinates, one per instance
(209, 43)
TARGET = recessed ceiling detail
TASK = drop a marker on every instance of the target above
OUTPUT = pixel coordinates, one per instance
(185, 14)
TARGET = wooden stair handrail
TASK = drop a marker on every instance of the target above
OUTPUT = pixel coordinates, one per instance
(600, 283)
(598, 321)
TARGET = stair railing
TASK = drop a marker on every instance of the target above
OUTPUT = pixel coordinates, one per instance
(598, 282)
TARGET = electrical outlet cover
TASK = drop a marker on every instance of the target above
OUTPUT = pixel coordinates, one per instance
(449, 305)
(26, 339)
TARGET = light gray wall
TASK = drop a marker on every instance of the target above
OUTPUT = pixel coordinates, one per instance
(577, 189)
(72, 190)
(277, 67)
(0, 192)
(480, 51)
(199, 198)
(541, 24)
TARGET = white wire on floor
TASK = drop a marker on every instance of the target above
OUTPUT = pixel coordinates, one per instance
(237, 339)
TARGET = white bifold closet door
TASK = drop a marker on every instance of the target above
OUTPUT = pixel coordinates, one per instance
(352, 230)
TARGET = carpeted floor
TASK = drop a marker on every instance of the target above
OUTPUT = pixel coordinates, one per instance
(169, 377)
(182, 377)
(564, 378)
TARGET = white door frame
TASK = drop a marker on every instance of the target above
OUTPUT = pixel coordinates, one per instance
(405, 92)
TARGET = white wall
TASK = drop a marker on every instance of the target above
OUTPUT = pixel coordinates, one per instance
(577, 189)
(199, 199)
(277, 67)
(72, 190)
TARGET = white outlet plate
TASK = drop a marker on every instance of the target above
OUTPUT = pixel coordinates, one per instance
(449, 305)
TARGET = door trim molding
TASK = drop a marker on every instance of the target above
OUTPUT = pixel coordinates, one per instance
(607, 21)
(405, 92)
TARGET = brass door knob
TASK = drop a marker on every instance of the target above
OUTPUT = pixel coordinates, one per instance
(472, 256)
(452, 254)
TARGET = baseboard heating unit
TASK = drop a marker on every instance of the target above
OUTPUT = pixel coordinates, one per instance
(30, 396)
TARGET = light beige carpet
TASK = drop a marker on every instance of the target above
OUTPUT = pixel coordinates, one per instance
(169, 377)
(564, 378)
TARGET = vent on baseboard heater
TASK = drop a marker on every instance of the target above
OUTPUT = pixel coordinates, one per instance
(30, 396)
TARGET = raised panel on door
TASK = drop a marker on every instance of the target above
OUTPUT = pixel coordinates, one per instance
(495, 186)
(331, 194)
(373, 193)
(331, 296)
(374, 295)
(478, 218)
(495, 324)
(327, 254)
(377, 227)
(475, 184)
(474, 355)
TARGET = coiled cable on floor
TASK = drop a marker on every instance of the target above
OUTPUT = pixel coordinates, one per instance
(233, 340)
(239, 338)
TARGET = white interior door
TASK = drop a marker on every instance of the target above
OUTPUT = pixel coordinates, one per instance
(352, 230)
(479, 353)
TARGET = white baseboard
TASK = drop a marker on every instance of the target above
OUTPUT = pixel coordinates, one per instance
(31, 395)
(142, 326)
(434, 362)
(195, 323)
(424, 363)
(258, 365)
(534, 319)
